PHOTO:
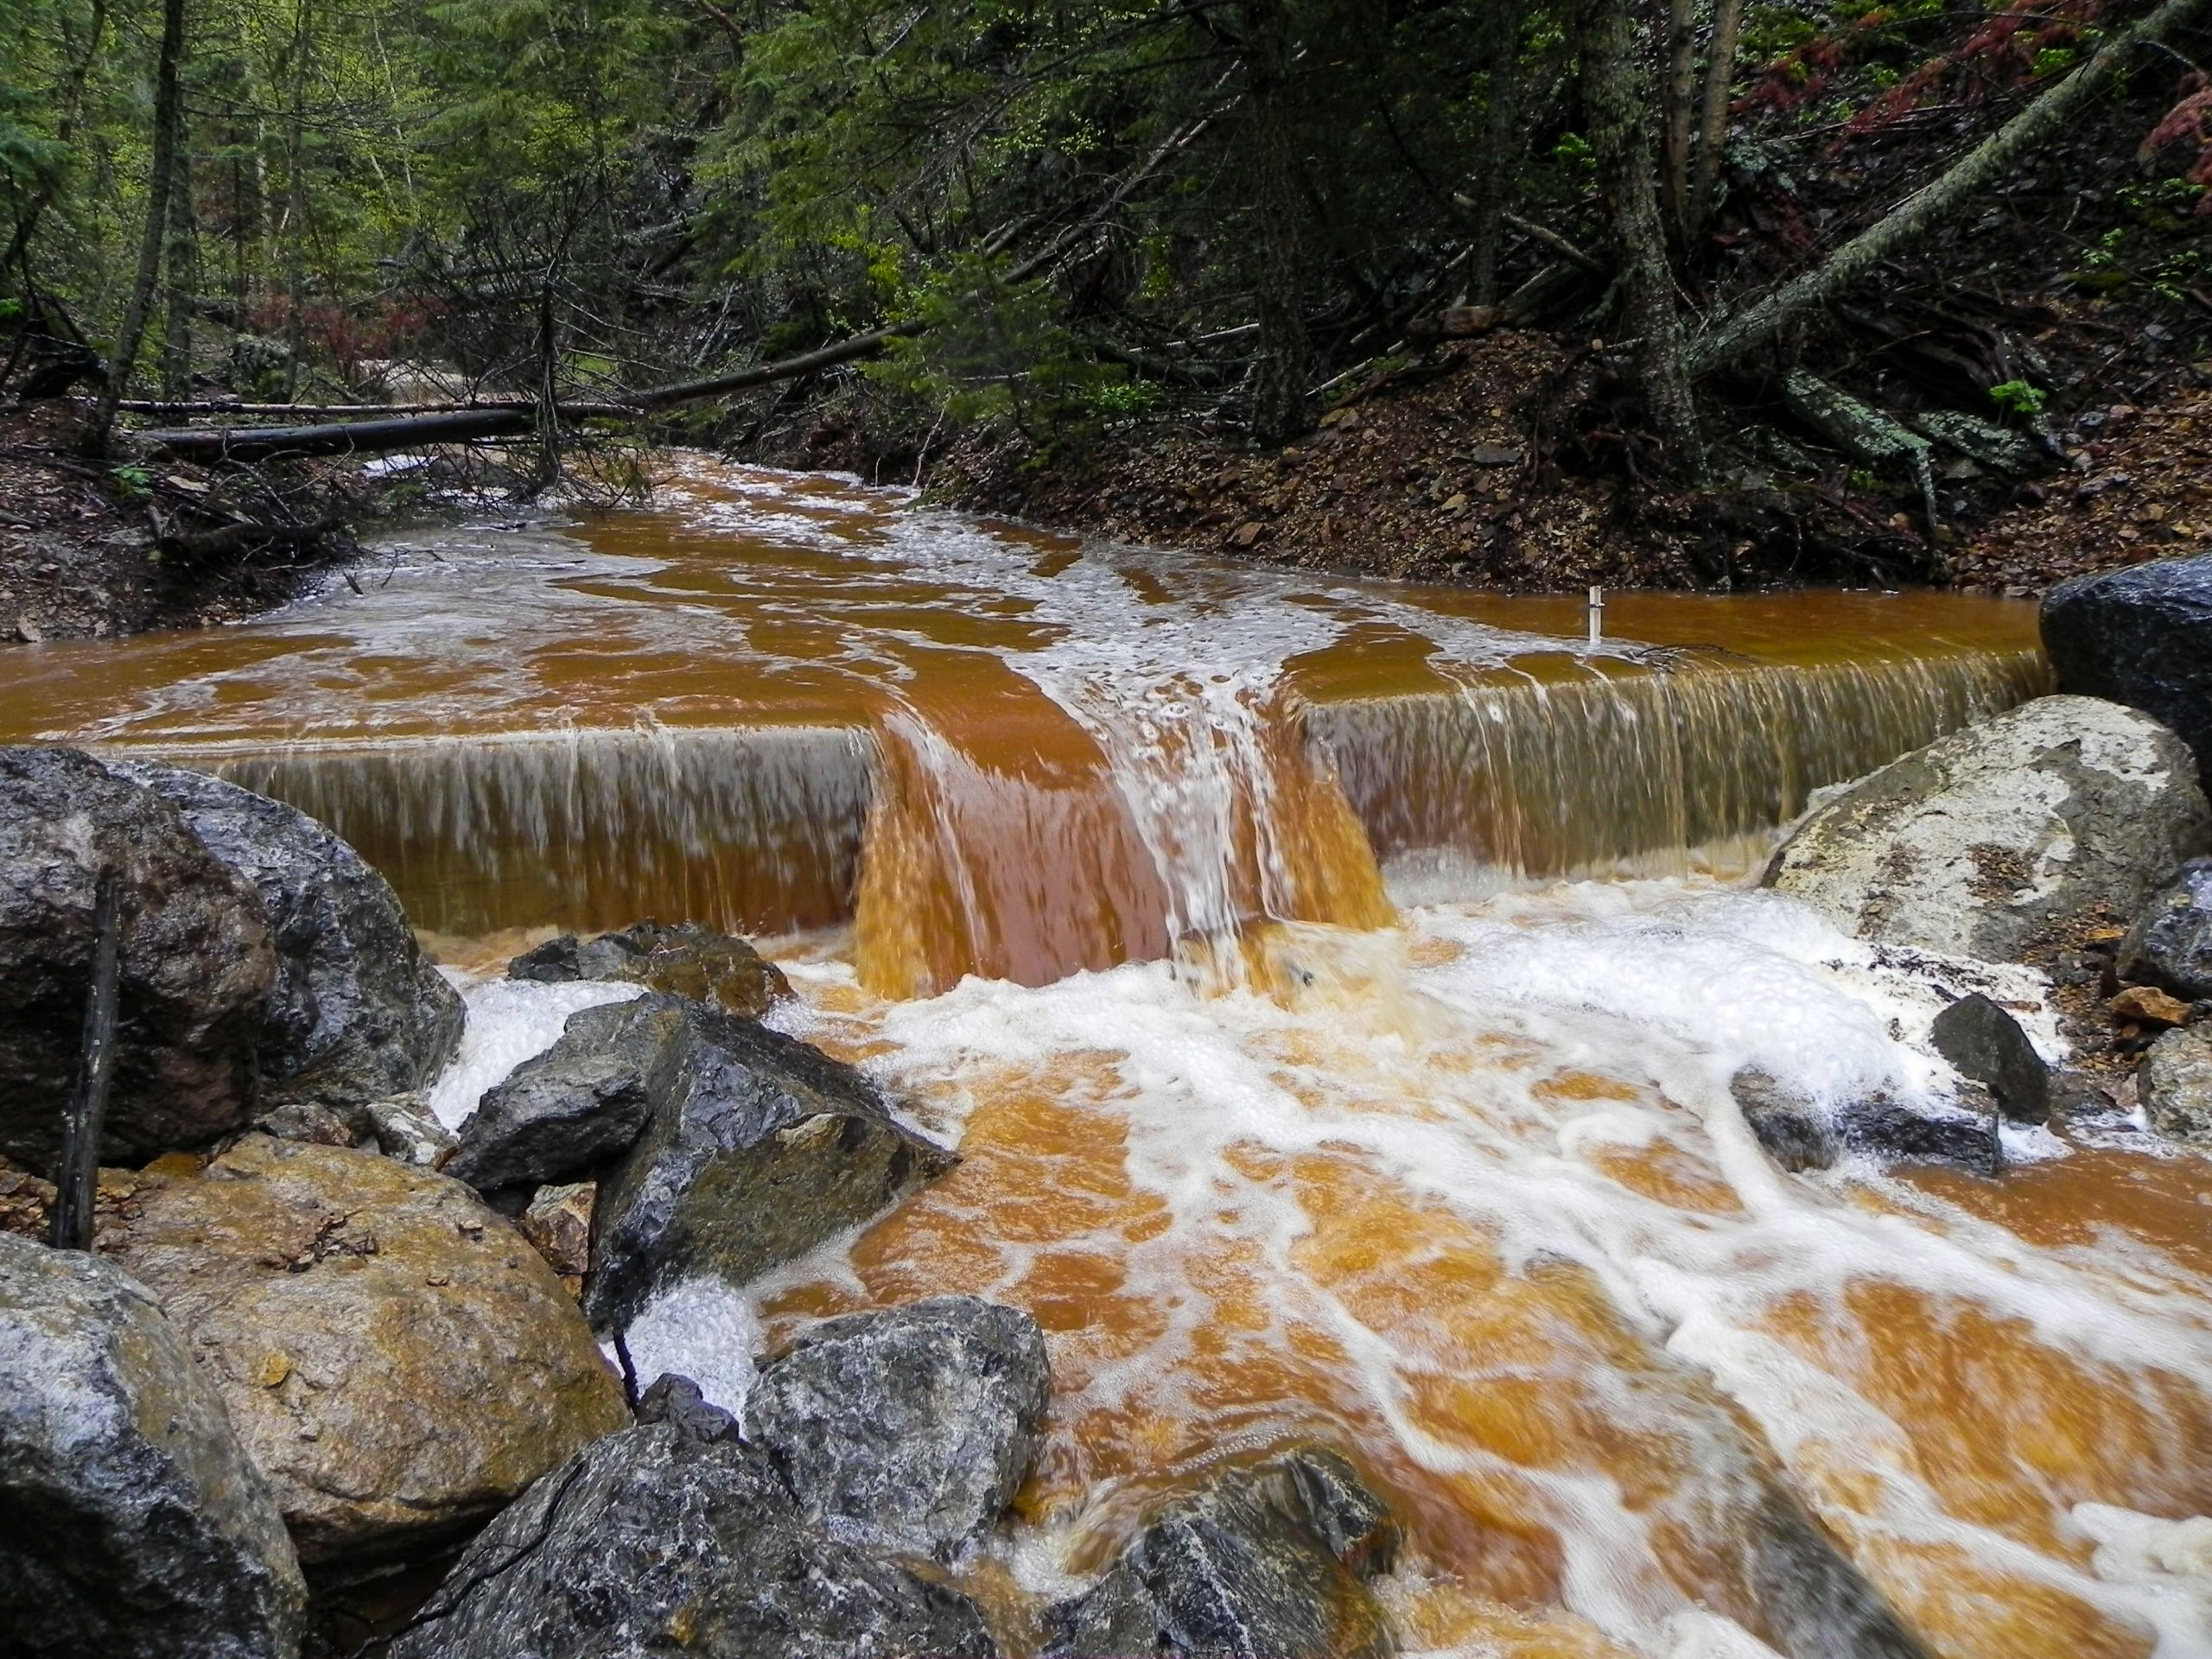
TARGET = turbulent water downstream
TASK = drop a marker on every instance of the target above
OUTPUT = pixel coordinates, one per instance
(1332, 989)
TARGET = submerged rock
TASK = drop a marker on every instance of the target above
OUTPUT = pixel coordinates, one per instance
(2171, 945)
(1986, 1044)
(1798, 1135)
(196, 961)
(907, 1429)
(2175, 1084)
(565, 1113)
(130, 1521)
(356, 1013)
(1268, 1563)
(683, 959)
(2141, 636)
(1999, 840)
(397, 1360)
(675, 1537)
(757, 1149)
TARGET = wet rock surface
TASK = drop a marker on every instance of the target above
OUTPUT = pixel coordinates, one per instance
(1800, 1135)
(1268, 1563)
(1984, 1043)
(130, 1520)
(2141, 636)
(557, 1223)
(568, 1111)
(2171, 945)
(2175, 1084)
(908, 1429)
(1997, 841)
(757, 1149)
(394, 1356)
(197, 964)
(356, 1013)
(675, 1537)
(683, 959)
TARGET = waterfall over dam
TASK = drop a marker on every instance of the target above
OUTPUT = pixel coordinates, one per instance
(1332, 989)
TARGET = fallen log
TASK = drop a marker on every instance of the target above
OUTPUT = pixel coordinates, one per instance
(367, 437)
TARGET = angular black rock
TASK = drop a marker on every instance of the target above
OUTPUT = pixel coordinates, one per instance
(197, 963)
(1983, 1043)
(2171, 945)
(131, 1521)
(356, 1013)
(2141, 636)
(563, 1115)
(1268, 1563)
(660, 1539)
(1798, 1135)
(682, 958)
(758, 1148)
(908, 1429)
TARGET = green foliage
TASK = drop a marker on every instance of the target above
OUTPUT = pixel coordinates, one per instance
(2019, 398)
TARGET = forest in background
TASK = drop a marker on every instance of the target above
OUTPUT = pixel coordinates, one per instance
(1884, 248)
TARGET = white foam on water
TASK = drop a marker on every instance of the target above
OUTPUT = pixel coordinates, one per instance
(1426, 1076)
(509, 1020)
(2167, 1563)
(704, 1329)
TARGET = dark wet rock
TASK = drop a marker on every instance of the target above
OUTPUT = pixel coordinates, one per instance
(130, 1520)
(1986, 1044)
(356, 1012)
(666, 1540)
(758, 1148)
(2141, 636)
(567, 1112)
(2174, 1084)
(676, 1399)
(1799, 1135)
(397, 1362)
(1816, 1602)
(2003, 840)
(2171, 945)
(1268, 1563)
(683, 959)
(303, 1120)
(1794, 1131)
(196, 961)
(907, 1429)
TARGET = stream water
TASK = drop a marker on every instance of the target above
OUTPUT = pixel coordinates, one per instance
(1332, 988)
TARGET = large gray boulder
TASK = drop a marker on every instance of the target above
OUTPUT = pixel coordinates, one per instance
(909, 1429)
(758, 1148)
(1800, 1134)
(356, 1013)
(2171, 945)
(675, 1537)
(1268, 1563)
(197, 964)
(2141, 636)
(130, 1521)
(681, 958)
(1998, 841)
(563, 1115)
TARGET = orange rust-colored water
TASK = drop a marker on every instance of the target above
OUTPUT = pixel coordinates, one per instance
(1238, 926)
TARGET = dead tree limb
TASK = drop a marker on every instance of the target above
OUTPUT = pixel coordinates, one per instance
(76, 1181)
(1920, 213)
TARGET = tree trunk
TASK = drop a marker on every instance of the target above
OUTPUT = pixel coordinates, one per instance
(1995, 157)
(1616, 104)
(161, 176)
(1682, 89)
(1500, 152)
(1712, 127)
(1284, 362)
(181, 265)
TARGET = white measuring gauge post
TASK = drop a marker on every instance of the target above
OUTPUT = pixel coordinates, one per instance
(1597, 615)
